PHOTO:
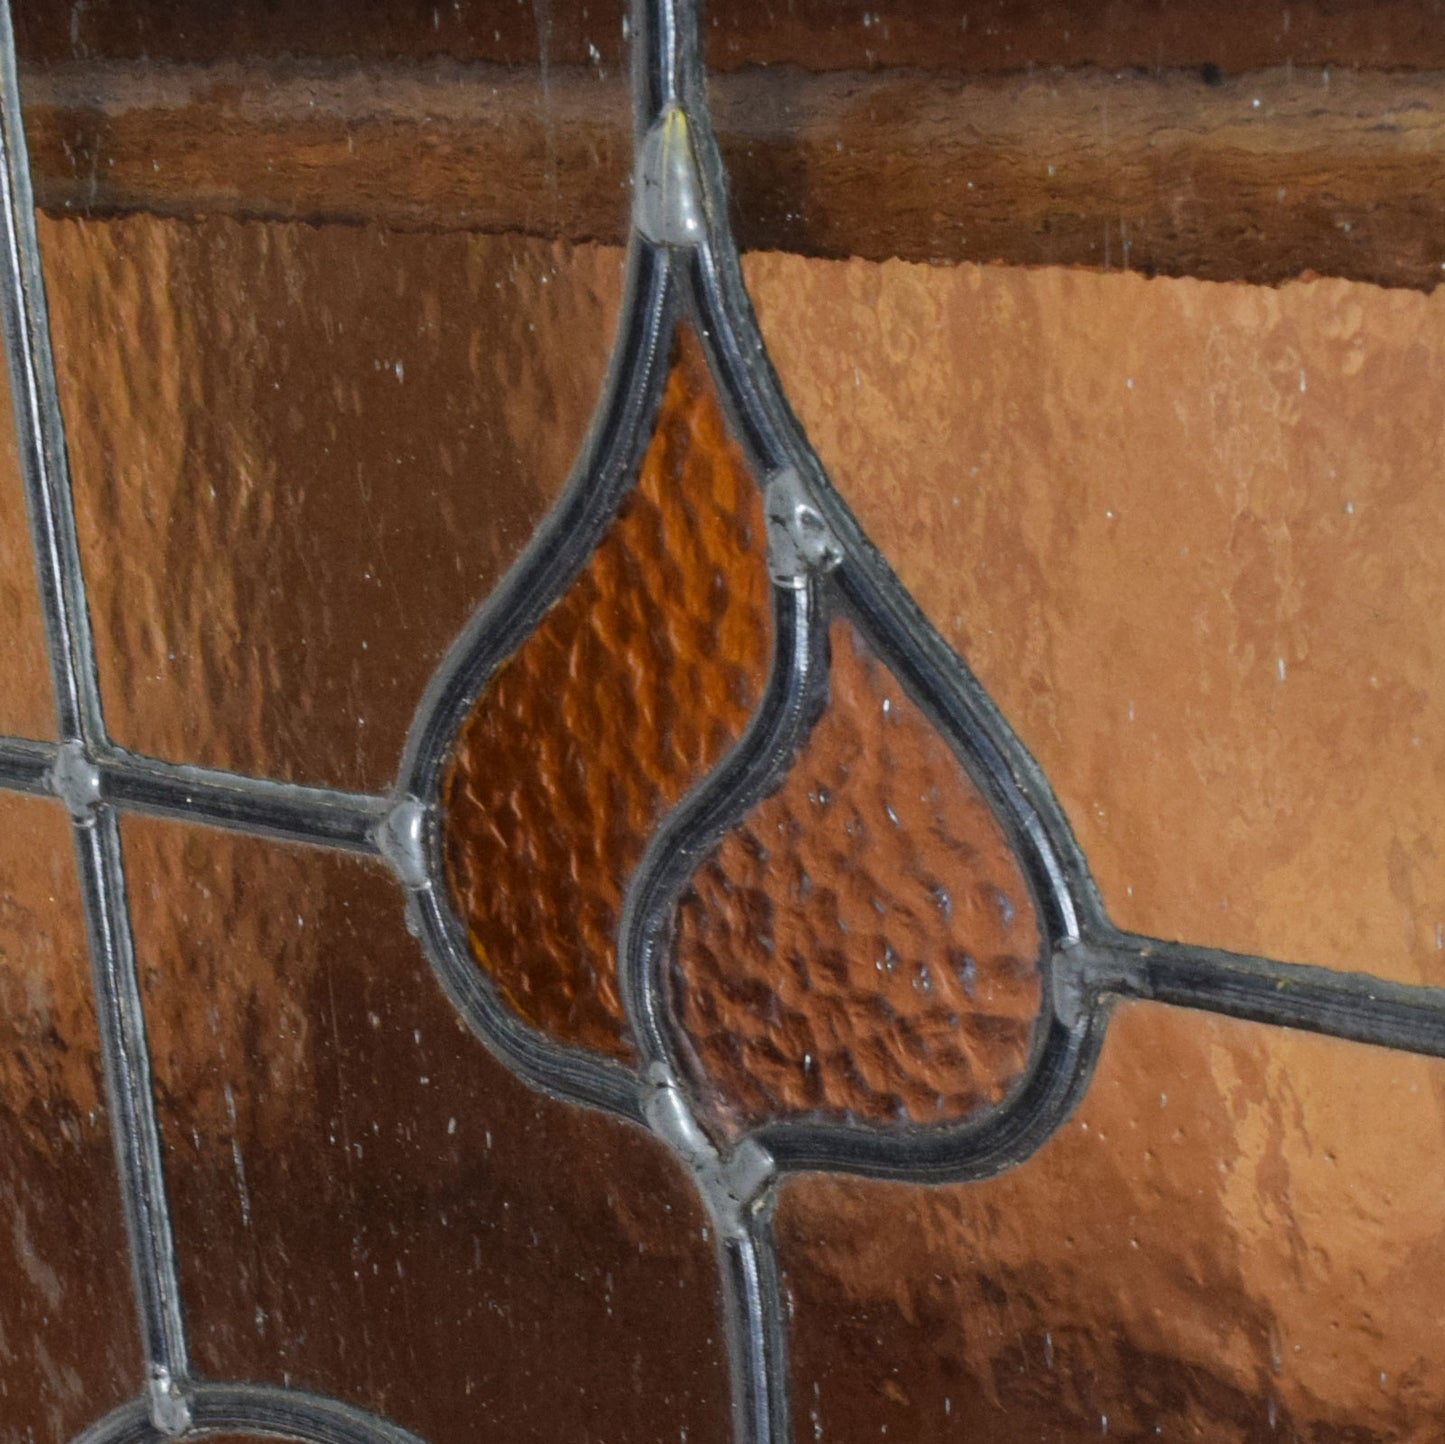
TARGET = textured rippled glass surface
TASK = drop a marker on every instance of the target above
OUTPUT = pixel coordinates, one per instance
(1221, 1245)
(864, 945)
(628, 694)
(1204, 558)
(338, 438)
(368, 1205)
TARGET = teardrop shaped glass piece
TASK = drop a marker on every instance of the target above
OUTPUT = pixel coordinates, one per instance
(637, 681)
(863, 946)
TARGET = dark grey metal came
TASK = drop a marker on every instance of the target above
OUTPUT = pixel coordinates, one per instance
(683, 267)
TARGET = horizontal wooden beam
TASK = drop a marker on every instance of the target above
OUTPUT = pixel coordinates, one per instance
(437, 146)
(968, 36)
(1257, 177)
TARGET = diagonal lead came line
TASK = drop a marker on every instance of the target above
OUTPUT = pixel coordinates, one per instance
(74, 774)
(40, 431)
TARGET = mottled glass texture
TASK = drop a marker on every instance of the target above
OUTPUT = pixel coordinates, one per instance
(69, 1347)
(1222, 1245)
(302, 455)
(365, 1203)
(634, 686)
(864, 945)
(1185, 538)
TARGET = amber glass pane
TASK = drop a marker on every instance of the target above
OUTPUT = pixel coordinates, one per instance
(1222, 1245)
(368, 1205)
(303, 455)
(865, 944)
(631, 690)
(26, 705)
(1187, 539)
(69, 1349)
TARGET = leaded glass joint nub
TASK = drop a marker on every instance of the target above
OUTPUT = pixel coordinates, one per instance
(1072, 982)
(75, 780)
(401, 840)
(732, 1184)
(800, 542)
(667, 204)
(167, 1404)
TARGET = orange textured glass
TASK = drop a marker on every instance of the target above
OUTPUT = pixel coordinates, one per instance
(630, 691)
(865, 944)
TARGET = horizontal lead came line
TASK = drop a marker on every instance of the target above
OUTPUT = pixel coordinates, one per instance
(283, 810)
(1356, 1007)
(25, 765)
(288, 811)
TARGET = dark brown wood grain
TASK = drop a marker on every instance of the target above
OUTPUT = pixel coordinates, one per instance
(1258, 177)
(973, 36)
(631, 691)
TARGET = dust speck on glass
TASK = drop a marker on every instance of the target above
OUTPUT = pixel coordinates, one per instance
(701, 823)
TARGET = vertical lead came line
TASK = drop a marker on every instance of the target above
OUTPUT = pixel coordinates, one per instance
(667, 81)
(757, 1330)
(75, 776)
(126, 1056)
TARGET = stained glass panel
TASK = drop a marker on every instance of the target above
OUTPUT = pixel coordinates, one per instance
(367, 1205)
(630, 692)
(757, 867)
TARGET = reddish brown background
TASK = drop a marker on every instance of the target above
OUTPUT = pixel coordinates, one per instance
(69, 1344)
(367, 1204)
(1188, 535)
(1126, 567)
(26, 709)
(335, 440)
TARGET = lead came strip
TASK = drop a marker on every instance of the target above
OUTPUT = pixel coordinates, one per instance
(172, 1404)
(76, 780)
